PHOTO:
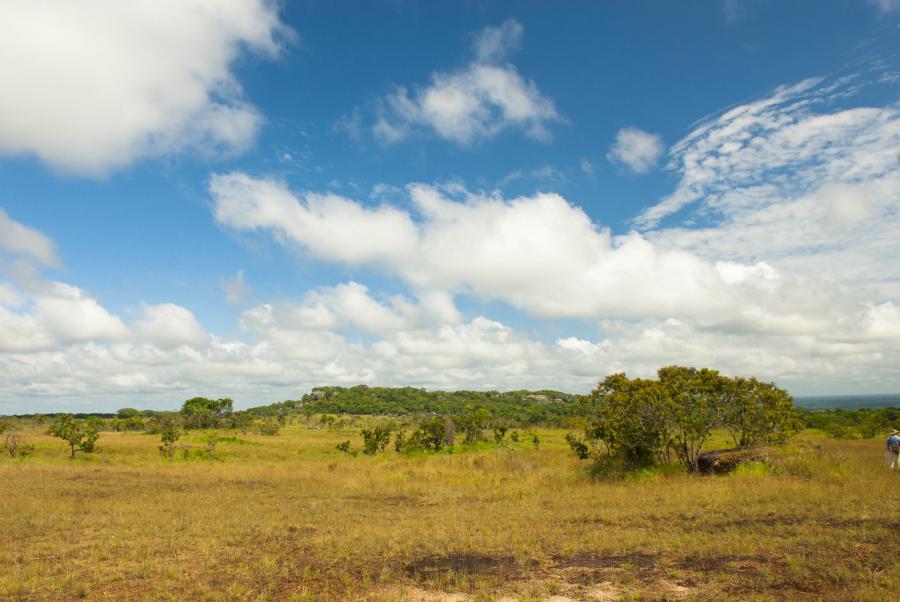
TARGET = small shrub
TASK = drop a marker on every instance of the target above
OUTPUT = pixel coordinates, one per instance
(430, 436)
(13, 446)
(579, 447)
(344, 447)
(269, 427)
(614, 468)
(375, 440)
(400, 441)
(170, 433)
(211, 443)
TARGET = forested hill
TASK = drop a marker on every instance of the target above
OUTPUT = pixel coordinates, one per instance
(528, 407)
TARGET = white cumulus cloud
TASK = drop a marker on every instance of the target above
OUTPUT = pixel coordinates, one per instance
(476, 102)
(540, 253)
(636, 149)
(93, 85)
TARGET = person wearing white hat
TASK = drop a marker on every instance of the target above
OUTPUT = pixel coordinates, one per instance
(893, 450)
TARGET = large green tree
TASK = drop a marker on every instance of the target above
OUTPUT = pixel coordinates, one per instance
(756, 412)
(696, 398)
(644, 421)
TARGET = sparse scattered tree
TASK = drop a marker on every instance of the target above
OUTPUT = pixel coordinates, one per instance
(14, 447)
(170, 433)
(81, 436)
(200, 412)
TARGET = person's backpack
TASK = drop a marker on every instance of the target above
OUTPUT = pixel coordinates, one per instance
(894, 445)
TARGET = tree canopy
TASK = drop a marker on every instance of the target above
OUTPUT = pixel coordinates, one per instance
(646, 421)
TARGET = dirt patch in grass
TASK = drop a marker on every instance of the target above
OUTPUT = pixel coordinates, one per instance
(428, 567)
(638, 560)
(389, 500)
(729, 563)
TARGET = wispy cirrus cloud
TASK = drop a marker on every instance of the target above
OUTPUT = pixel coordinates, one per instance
(19, 239)
(804, 179)
(788, 141)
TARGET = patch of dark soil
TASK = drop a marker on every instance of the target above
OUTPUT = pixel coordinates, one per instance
(470, 564)
(729, 563)
(389, 500)
(781, 521)
(586, 520)
(639, 560)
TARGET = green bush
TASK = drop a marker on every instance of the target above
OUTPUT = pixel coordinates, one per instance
(80, 435)
(375, 439)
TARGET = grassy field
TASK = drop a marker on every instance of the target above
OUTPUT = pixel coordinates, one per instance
(291, 518)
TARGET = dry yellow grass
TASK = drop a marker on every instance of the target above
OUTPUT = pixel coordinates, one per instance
(291, 518)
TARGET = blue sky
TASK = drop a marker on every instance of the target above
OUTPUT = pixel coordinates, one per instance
(250, 198)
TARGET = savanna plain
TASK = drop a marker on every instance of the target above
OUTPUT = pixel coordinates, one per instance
(291, 517)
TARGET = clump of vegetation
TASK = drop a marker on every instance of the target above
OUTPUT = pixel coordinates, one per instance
(269, 427)
(81, 435)
(471, 424)
(500, 431)
(430, 436)
(170, 433)
(344, 447)
(201, 413)
(375, 440)
(211, 442)
(14, 447)
(641, 422)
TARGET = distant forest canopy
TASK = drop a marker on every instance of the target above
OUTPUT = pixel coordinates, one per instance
(848, 402)
(526, 407)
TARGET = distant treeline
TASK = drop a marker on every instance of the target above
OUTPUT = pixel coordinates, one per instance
(524, 407)
(852, 424)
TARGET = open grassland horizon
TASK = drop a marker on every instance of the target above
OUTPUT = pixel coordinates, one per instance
(291, 518)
